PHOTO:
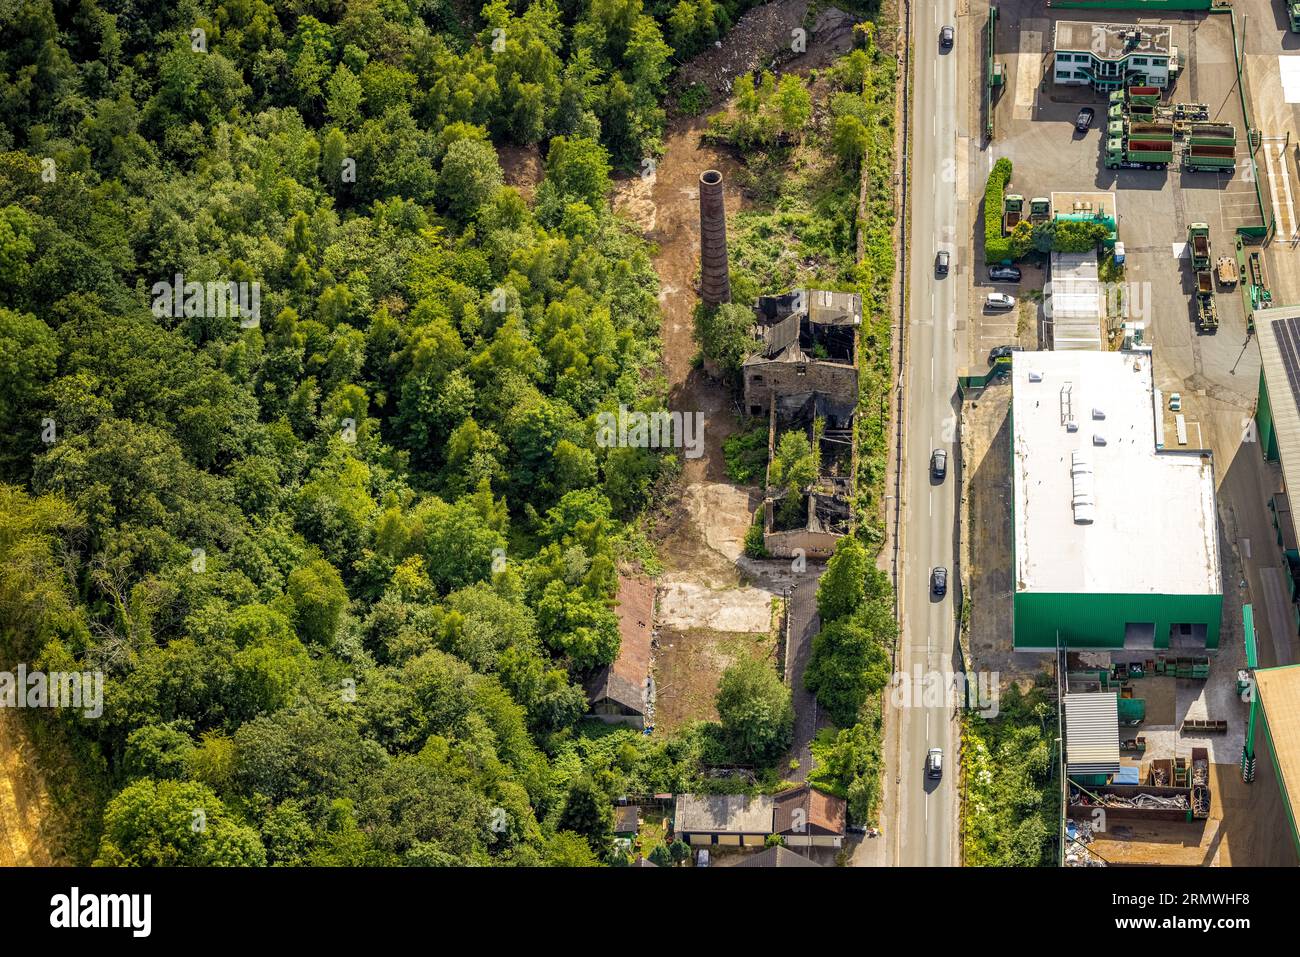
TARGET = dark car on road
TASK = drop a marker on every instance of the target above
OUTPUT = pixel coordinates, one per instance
(945, 37)
(1004, 274)
(939, 464)
(934, 763)
(939, 580)
(1001, 352)
(941, 263)
(1084, 120)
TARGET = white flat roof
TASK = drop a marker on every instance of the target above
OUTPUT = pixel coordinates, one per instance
(1114, 518)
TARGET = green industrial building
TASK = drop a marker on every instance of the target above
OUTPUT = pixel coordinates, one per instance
(1115, 537)
(1277, 423)
(1272, 758)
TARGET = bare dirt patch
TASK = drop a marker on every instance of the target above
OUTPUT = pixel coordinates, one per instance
(764, 38)
(686, 604)
(25, 812)
(688, 668)
(522, 166)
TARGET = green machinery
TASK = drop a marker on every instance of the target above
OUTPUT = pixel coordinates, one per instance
(1013, 210)
(1260, 296)
(1138, 136)
(1198, 242)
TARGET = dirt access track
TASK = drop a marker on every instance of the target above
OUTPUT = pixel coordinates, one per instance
(714, 605)
(25, 817)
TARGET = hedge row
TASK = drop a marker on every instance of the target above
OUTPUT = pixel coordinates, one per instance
(996, 246)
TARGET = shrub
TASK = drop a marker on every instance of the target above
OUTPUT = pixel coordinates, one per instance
(996, 246)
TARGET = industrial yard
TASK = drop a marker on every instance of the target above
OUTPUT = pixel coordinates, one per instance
(1132, 130)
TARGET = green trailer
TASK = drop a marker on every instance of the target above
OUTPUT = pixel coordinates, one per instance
(1212, 134)
(1144, 96)
(1210, 158)
(1119, 156)
(1198, 243)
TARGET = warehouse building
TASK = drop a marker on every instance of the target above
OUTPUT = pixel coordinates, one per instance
(1112, 56)
(1115, 540)
(1277, 421)
(1274, 757)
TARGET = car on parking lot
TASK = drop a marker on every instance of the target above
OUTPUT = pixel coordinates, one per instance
(939, 580)
(1175, 402)
(1001, 352)
(945, 36)
(939, 463)
(934, 763)
(1004, 274)
(1000, 300)
(941, 263)
(1084, 120)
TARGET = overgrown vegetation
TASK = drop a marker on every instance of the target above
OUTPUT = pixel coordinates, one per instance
(745, 454)
(1054, 236)
(803, 231)
(1012, 802)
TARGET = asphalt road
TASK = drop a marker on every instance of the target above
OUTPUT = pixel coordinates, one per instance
(925, 833)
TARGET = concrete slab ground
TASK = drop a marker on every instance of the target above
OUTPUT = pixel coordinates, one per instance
(1240, 831)
(1272, 64)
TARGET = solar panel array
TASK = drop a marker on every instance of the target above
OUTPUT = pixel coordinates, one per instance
(1288, 343)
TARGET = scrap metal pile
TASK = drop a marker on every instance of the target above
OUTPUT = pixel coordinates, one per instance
(1077, 854)
(1146, 802)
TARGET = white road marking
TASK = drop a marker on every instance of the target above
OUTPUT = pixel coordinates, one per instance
(1283, 228)
(1288, 67)
(1286, 186)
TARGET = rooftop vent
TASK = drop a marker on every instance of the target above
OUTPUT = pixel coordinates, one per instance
(1081, 476)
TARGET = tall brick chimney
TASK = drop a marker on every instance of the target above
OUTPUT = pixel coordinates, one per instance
(715, 280)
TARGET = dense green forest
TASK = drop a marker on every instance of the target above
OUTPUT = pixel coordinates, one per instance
(344, 556)
(344, 567)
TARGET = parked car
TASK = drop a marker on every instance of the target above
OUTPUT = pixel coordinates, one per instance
(1004, 274)
(939, 580)
(1084, 120)
(945, 37)
(934, 763)
(702, 858)
(941, 263)
(1001, 352)
(939, 464)
(1175, 402)
(1000, 300)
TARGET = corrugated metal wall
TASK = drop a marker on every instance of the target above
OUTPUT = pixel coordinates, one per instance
(1264, 422)
(1098, 621)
